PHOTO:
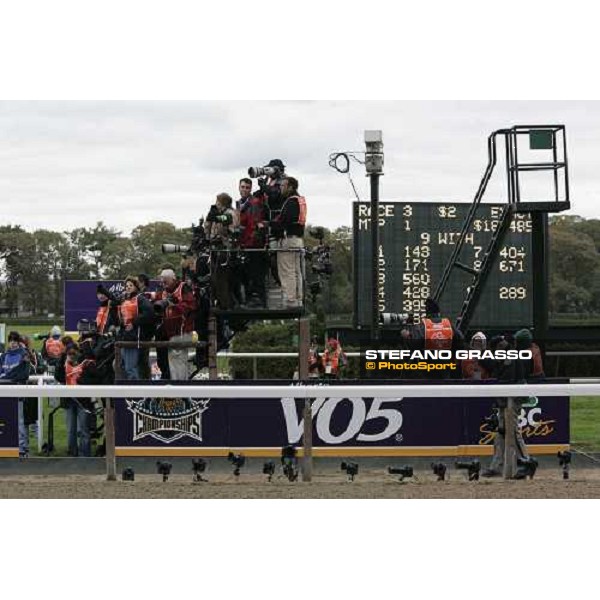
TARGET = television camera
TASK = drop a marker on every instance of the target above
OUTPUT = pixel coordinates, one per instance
(319, 257)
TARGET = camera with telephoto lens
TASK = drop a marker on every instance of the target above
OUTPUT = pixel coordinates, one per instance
(526, 468)
(197, 245)
(266, 171)
(198, 467)
(404, 471)
(351, 469)
(238, 461)
(439, 469)
(564, 461)
(164, 469)
(289, 462)
(397, 319)
(128, 474)
(269, 469)
(473, 467)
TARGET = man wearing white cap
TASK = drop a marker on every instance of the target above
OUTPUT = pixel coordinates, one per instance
(177, 305)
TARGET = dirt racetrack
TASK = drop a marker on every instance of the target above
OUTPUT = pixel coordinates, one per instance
(370, 484)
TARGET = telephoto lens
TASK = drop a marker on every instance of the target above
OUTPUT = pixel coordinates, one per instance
(164, 469)
(351, 469)
(269, 469)
(238, 461)
(198, 467)
(128, 474)
(439, 469)
(404, 471)
(564, 461)
(473, 467)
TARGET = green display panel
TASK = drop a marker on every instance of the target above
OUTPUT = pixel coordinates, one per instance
(416, 240)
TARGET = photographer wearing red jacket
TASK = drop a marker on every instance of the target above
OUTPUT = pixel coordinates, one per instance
(175, 305)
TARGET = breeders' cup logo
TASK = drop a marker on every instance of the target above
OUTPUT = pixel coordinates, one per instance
(167, 419)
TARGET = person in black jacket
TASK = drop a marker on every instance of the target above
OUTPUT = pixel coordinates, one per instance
(288, 228)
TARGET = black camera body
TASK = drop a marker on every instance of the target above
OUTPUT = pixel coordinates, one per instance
(439, 469)
(350, 468)
(527, 468)
(238, 461)
(269, 469)
(404, 471)
(289, 462)
(164, 469)
(564, 461)
(473, 467)
(198, 467)
(128, 474)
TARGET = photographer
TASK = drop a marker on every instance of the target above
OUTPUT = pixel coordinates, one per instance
(288, 228)
(53, 348)
(176, 306)
(135, 311)
(220, 226)
(254, 237)
(15, 367)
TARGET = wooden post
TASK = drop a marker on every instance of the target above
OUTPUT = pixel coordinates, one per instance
(510, 440)
(109, 432)
(303, 351)
(213, 372)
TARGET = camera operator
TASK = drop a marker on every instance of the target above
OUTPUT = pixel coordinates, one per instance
(253, 216)
(271, 177)
(288, 228)
(135, 311)
(512, 371)
(176, 306)
(221, 223)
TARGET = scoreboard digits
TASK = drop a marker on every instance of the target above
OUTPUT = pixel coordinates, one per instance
(415, 243)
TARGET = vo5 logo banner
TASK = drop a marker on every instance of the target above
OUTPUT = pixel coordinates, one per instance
(341, 420)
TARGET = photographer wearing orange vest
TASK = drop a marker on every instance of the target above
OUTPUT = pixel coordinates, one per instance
(53, 348)
(288, 228)
(135, 311)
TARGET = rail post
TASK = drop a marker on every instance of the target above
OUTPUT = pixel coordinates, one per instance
(304, 349)
(510, 440)
(109, 432)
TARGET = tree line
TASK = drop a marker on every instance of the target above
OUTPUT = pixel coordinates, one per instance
(34, 265)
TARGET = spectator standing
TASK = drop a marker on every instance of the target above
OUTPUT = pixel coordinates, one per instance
(288, 228)
(15, 367)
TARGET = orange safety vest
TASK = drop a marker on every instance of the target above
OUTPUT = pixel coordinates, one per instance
(128, 311)
(331, 361)
(54, 348)
(102, 318)
(438, 336)
(302, 214)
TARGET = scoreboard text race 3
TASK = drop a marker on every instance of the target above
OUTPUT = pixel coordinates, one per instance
(415, 243)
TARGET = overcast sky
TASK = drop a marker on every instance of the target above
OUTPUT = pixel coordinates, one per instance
(70, 164)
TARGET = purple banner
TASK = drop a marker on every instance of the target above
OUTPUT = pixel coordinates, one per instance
(358, 423)
(9, 427)
(81, 301)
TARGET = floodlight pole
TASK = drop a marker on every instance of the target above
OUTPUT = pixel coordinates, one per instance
(374, 167)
